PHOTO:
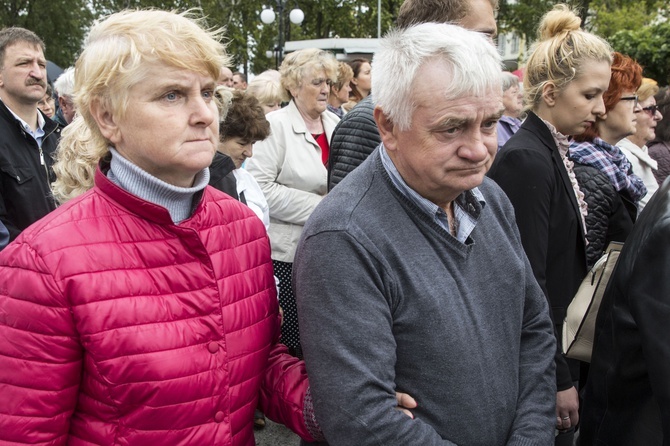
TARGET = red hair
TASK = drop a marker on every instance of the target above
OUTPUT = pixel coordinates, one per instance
(626, 76)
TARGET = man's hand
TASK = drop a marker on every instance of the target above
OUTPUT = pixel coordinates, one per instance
(405, 402)
(567, 409)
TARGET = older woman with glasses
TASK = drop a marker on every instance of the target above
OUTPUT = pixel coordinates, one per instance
(659, 148)
(290, 166)
(635, 145)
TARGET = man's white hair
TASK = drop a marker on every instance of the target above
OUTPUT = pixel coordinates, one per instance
(64, 85)
(474, 66)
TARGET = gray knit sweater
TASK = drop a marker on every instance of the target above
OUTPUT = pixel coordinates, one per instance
(388, 300)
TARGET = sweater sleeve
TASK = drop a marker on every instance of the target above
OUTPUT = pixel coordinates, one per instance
(526, 178)
(40, 354)
(346, 331)
(535, 412)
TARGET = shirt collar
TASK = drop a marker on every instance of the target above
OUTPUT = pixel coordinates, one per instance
(467, 206)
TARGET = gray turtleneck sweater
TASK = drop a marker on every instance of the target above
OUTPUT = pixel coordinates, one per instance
(177, 200)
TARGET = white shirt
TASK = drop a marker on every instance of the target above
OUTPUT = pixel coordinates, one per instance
(643, 167)
(253, 195)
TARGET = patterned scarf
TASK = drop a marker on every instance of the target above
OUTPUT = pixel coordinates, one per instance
(611, 161)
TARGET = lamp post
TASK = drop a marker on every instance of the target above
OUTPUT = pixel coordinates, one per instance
(296, 16)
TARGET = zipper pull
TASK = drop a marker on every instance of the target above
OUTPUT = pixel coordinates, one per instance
(41, 157)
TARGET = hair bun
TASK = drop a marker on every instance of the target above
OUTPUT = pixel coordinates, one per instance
(561, 19)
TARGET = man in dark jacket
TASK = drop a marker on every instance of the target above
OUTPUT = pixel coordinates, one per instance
(28, 139)
(627, 398)
(356, 135)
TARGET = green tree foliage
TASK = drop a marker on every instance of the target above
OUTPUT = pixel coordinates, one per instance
(650, 46)
(61, 24)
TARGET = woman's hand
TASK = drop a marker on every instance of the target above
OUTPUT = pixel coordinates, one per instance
(405, 402)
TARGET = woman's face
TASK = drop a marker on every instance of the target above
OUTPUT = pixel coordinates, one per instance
(341, 96)
(512, 101)
(311, 96)
(647, 118)
(46, 104)
(237, 149)
(267, 108)
(364, 80)
(576, 107)
(170, 128)
(620, 120)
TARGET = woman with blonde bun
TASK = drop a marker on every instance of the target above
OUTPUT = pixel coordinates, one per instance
(567, 73)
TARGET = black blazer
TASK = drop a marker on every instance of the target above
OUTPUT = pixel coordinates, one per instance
(530, 170)
(627, 397)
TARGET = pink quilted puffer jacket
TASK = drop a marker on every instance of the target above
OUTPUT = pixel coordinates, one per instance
(119, 327)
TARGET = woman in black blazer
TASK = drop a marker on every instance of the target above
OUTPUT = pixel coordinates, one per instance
(566, 76)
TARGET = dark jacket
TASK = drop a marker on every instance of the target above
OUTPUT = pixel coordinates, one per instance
(221, 175)
(627, 398)
(25, 173)
(354, 139)
(660, 151)
(608, 218)
(530, 170)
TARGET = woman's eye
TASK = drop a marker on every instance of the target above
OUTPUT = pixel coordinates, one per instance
(171, 96)
(208, 94)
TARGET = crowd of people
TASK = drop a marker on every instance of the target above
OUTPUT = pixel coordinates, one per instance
(370, 252)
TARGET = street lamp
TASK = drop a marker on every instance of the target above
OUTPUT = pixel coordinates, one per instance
(296, 16)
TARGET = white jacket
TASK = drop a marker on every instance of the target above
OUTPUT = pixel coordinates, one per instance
(643, 167)
(288, 167)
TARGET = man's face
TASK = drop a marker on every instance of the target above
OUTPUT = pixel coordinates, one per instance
(480, 18)
(225, 77)
(67, 107)
(450, 144)
(238, 83)
(23, 74)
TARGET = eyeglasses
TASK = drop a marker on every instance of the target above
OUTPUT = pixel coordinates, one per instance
(651, 110)
(630, 98)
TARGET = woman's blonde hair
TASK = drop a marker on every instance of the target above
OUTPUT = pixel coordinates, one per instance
(267, 90)
(648, 88)
(116, 57)
(561, 53)
(299, 64)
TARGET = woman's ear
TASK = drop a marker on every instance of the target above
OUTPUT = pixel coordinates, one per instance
(106, 121)
(549, 94)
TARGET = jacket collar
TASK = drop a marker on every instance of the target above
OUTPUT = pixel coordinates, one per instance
(640, 152)
(299, 127)
(144, 209)
(6, 114)
(535, 124)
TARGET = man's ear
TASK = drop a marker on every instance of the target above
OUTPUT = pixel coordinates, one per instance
(387, 129)
(106, 121)
(549, 94)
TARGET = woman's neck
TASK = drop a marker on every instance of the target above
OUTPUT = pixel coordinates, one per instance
(334, 101)
(640, 142)
(610, 137)
(313, 123)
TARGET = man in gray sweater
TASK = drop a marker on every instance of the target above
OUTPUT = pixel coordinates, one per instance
(410, 275)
